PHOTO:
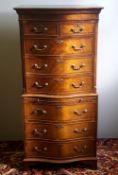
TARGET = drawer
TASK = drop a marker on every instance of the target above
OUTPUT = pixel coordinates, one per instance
(61, 46)
(59, 84)
(60, 131)
(39, 28)
(50, 28)
(59, 112)
(77, 28)
(60, 150)
(58, 66)
(35, 99)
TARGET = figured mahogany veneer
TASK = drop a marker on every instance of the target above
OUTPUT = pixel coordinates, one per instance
(77, 28)
(50, 28)
(66, 150)
(60, 131)
(58, 66)
(59, 84)
(71, 110)
(59, 46)
(39, 28)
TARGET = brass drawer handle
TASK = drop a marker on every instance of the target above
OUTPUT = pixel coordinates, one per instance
(80, 100)
(37, 132)
(75, 67)
(36, 49)
(81, 84)
(77, 149)
(39, 29)
(37, 67)
(39, 111)
(85, 110)
(77, 112)
(37, 149)
(80, 29)
(37, 85)
(78, 131)
(78, 48)
(85, 129)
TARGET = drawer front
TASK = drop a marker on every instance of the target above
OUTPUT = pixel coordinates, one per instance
(51, 28)
(39, 28)
(59, 85)
(59, 131)
(62, 46)
(59, 150)
(58, 65)
(60, 112)
(77, 28)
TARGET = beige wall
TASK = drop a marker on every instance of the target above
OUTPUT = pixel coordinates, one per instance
(10, 68)
(10, 78)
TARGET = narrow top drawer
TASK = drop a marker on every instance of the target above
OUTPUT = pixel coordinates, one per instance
(77, 28)
(63, 28)
(39, 28)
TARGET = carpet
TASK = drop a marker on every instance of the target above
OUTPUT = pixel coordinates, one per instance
(11, 155)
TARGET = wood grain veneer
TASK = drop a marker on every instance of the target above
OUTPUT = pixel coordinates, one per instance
(59, 48)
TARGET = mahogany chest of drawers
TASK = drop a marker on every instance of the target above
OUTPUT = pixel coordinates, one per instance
(58, 47)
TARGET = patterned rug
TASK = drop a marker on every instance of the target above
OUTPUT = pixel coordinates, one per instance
(11, 155)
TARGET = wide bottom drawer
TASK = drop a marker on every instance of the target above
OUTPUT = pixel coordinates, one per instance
(60, 150)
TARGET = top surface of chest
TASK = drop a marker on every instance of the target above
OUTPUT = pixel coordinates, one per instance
(61, 12)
